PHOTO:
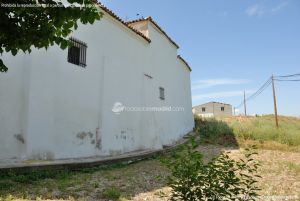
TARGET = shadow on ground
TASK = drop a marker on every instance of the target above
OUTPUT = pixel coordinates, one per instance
(215, 137)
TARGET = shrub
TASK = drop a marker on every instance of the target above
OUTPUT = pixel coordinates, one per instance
(214, 131)
(221, 179)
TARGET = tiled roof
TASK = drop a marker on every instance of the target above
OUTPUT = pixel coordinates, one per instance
(108, 11)
(160, 29)
(179, 57)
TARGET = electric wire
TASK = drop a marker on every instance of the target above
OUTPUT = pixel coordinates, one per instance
(292, 75)
(282, 78)
(257, 93)
(287, 80)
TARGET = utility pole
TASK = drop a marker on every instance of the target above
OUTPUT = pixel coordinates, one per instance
(245, 108)
(274, 98)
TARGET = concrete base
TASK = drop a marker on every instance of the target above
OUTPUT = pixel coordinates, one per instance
(72, 163)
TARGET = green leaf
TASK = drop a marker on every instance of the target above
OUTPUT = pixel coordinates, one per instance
(3, 68)
(14, 52)
(64, 44)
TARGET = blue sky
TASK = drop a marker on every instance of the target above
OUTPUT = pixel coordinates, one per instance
(231, 46)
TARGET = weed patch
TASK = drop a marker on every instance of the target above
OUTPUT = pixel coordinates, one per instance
(112, 193)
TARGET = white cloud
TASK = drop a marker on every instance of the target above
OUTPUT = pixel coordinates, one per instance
(202, 84)
(222, 94)
(279, 7)
(255, 10)
(259, 10)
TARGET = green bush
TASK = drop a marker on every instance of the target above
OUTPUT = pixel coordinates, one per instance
(221, 179)
(214, 131)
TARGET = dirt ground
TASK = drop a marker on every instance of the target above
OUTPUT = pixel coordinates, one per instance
(146, 180)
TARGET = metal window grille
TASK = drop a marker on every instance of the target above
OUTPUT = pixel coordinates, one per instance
(203, 109)
(222, 108)
(77, 52)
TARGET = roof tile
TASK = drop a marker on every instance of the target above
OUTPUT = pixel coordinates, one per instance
(111, 13)
(160, 29)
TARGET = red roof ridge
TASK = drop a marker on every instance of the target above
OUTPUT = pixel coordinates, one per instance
(112, 14)
(157, 26)
(186, 63)
(138, 20)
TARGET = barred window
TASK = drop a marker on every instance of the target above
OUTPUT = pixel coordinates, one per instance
(161, 93)
(77, 52)
(222, 109)
(203, 109)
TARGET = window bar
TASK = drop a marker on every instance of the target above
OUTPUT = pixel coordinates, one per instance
(84, 60)
(77, 52)
(72, 52)
(80, 55)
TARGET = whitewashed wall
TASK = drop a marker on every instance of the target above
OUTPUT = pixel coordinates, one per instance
(51, 109)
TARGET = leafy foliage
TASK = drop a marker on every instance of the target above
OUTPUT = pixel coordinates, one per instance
(222, 178)
(214, 131)
(28, 23)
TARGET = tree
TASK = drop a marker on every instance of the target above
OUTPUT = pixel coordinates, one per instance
(27, 24)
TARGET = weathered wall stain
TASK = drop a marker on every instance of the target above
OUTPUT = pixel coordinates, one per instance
(114, 152)
(83, 135)
(89, 135)
(125, 135)
(98, 139)
(20, 138)
(47, 155)
(99, 144)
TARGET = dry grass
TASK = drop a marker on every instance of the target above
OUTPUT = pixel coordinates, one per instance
(244, 131)
(279, 155)
(280, 170)
(109, 184)
(146, 180)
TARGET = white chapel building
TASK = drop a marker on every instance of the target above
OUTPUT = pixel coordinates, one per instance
(97, 98)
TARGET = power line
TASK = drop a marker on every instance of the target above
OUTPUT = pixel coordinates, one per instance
(260, 90)
(257, 93)
(287, 80)
(267, 83)
(292, 75)
(282, 78)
